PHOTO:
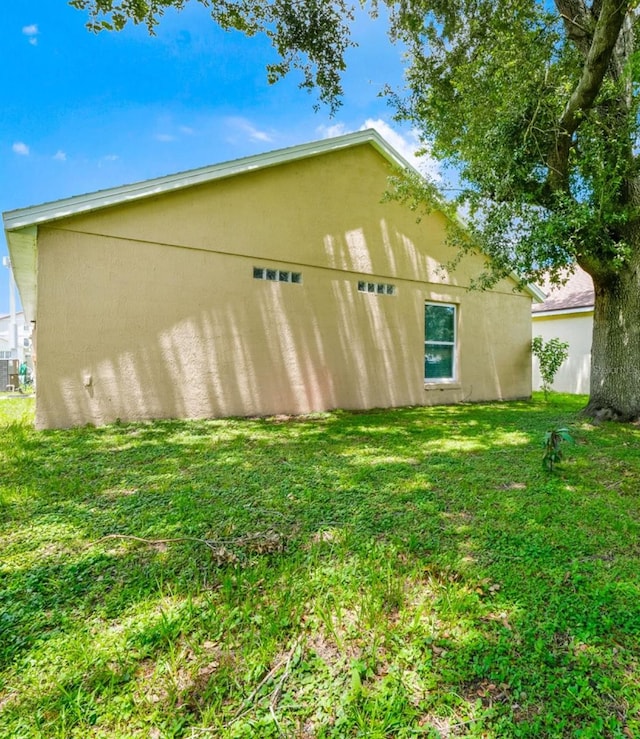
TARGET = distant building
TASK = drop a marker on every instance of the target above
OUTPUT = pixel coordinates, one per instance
(567, 314)
(22, 351)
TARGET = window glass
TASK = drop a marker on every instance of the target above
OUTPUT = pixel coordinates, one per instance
(438, 362)
(439, 323)
(277, 275)
(440, 341)
(379, 288)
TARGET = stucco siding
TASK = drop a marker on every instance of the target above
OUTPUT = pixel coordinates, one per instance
(324, 211)
(576, 329)
(150, 310)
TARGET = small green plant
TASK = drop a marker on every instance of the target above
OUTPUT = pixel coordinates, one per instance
(552, 444)
(550, 355)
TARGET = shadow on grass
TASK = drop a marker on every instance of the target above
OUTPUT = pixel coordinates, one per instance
(421, 542)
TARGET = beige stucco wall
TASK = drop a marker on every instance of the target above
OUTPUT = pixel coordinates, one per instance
(150, 309)
(576, 329)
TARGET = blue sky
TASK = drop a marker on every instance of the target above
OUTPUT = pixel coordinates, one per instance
(82, 112)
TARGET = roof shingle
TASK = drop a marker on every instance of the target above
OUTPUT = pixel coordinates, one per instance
(576, 293)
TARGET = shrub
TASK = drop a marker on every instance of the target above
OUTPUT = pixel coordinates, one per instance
(550, 354)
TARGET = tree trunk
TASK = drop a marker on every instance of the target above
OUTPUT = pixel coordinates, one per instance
(615, 351)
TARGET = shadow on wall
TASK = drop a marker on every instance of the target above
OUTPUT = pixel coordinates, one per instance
(574, 375)
(216, 342)
(154, 331)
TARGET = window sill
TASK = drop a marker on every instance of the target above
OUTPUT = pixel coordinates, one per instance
(443, 385)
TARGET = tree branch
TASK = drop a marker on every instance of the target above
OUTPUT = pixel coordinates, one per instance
(595, 67)
(576, 20)
(605, 37)
(275, 695)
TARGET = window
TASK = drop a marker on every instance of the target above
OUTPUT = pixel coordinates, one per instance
(378, 288)
(439, 342)
(276, 275)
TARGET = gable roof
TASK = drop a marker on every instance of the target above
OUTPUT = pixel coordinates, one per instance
(21, 226)
(57, 209)
(576, 293)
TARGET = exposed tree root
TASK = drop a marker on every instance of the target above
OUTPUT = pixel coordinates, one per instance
(224, 551)
(599, 413)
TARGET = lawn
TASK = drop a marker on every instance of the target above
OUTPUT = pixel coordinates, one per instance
(403, 573)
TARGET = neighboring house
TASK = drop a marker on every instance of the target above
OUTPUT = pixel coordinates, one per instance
(275, 284)
(567, 314)
(19, 347)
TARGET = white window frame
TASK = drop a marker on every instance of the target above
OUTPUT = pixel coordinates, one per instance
(453, 344)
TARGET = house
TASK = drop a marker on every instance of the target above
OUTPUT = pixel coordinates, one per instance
(567, 314)
(15, 348)
(15, 335)
(274, 284)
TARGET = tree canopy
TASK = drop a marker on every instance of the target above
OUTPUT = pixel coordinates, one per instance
(311, 36)
(536, 106)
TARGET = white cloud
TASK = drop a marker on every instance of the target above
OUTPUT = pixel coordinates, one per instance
(404, 144)
(107, 160)
(32, 33)
(329, 132)
(21, 148)
(244, 126)
(60, 156)
(407, 146)
(178, 132)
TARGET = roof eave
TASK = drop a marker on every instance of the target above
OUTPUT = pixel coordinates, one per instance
(52, 211)
(22, 245)
(536, 293)
(21, 225)
(562, 311)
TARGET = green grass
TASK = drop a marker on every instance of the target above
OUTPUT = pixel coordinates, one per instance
(402, 573)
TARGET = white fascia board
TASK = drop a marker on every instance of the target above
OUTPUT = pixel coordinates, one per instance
(21, 225)
(58, 209)
(561, 312)
(536, 293)
(27, 218)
